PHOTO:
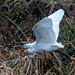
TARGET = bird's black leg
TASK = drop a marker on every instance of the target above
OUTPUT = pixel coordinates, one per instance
(62, 53)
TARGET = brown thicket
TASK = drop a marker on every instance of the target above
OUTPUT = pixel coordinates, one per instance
(17, 17)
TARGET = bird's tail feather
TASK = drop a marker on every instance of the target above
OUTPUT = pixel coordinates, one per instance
(59, 45)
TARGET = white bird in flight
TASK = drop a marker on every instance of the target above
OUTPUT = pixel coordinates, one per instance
(46, 32)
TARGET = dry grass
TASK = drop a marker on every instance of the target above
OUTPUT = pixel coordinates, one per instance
(16, 20)
(36, 64)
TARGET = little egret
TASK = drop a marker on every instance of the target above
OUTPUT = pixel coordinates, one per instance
(46, 32)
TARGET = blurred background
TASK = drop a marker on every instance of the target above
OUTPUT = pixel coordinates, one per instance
(17, 17)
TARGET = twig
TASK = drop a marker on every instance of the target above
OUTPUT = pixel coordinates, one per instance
(39, 9)
(68, 22)
(58, 59)
(61, 72)
(10, 35)
(17, 3)
(49, 3)
(15, 25)
(28, 68)
(72, 45)
(52, 7)
(72, 71)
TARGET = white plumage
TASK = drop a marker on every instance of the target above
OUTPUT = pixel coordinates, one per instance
(46, 32)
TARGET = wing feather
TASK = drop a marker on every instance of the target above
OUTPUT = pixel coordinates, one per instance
(56, 17)
(43, 31)
(47, 29)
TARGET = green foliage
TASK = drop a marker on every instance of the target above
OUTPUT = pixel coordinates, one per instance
(70, 50)
(65, 70)
(6, 13)
(55, 69)
(24, 17)
(15, 34)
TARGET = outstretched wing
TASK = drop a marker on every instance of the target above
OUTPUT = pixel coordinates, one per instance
(44, 31)
(47, 29)
(56, 17)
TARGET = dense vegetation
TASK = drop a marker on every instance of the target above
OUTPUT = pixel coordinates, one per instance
(17, 18)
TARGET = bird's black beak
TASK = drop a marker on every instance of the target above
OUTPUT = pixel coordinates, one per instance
(20, 46)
